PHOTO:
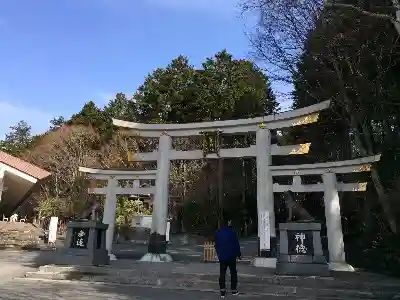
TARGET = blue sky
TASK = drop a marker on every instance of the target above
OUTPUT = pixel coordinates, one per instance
(55, 55)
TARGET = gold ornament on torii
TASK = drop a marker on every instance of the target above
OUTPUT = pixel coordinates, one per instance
(307, 120)
(303, 149)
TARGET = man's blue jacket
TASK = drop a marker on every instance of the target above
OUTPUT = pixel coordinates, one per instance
(227, 244)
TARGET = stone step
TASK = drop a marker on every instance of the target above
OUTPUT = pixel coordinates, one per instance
(358, 280)
(269, 284)
(247, 288)
(47, 275)
(176, 255)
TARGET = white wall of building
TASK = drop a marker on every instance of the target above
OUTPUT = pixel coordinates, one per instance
(142, 221)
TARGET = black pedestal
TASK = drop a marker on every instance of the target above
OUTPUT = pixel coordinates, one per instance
(300, 250)
(157, 244)
(85, 244)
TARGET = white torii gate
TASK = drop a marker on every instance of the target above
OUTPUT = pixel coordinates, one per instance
(263, 150)
(112, 189)
(331, 188)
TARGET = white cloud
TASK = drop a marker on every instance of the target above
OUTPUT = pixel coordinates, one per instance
(11, 114)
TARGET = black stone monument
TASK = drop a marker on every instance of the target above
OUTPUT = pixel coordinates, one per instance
(300, 250)
(85, 244)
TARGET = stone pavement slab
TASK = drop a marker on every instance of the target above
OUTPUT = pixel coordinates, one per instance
(27, 258)
(50, 290)
(18, 289)
(205, 277)
(9, 271)
(191, 252)
(127, 276)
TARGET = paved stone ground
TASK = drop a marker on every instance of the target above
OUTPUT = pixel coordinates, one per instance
(26, 259)
(191, 252)
(14, 264)
(50, 290)
(33, 290)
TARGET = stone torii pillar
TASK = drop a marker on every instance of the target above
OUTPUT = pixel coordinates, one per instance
(157, 250)
(337, 259)
(265, 193)
(110, 208)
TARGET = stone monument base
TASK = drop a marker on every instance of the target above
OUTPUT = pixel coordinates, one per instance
(298, 269)
(340, 267)
(84, 245)
(112, 256)
(157, 243)
(300, 250)
(80, 259)
(265, 262)
(151, 257)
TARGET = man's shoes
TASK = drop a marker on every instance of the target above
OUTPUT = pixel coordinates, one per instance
(235, 293)
(223, 294)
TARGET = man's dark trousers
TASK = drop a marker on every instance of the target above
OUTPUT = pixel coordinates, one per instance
(223, 265)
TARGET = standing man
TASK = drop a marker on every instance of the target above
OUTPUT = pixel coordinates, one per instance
(228, 250)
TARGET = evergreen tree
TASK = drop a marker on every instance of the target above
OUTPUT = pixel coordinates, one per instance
(18, 139)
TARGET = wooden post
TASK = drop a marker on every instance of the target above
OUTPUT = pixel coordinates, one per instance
(209, 252)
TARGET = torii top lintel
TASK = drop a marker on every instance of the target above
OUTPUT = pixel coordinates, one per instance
(104, 174)
(292, 118)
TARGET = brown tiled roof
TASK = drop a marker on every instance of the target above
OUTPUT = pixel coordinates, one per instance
(23, 166)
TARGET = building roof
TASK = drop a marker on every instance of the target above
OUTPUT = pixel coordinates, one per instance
(23, 166)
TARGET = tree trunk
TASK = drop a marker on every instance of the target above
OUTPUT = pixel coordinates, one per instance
(383, 198)
(396, 23)
(380, 190)
(364, 151)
